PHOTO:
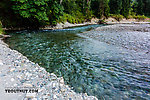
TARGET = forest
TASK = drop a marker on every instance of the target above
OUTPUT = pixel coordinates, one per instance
(37, 13)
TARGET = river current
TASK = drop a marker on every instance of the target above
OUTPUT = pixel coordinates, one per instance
(98, 68)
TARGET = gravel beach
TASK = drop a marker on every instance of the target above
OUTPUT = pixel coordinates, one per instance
(129, 36)
(18, 74)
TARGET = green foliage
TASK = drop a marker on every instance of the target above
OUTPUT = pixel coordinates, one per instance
(31, 8)
(125, 8)
(76, 18)
(35, 13)
(1, 30)
(100, 8)
(141, 7)
(115, 6)
(55, 12)
(117, 17)
(140, 17)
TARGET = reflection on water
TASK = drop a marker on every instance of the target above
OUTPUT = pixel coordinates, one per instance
(97, 68)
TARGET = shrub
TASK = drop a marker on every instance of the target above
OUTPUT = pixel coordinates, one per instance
(118, 17)
(140, 17)
(75, 18)
(1, 30)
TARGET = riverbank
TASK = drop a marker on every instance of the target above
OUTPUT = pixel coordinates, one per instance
(108, 21)
(17, 72)
(97, 21)
(118, 32)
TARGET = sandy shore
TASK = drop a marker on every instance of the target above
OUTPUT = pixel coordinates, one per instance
(17, 72)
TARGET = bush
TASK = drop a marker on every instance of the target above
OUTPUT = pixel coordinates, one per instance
(118, 17)
(140, 17)
(76, 18)
(1, 30)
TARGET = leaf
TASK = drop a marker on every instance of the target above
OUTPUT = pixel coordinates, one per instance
(25, 14)
(32, 10)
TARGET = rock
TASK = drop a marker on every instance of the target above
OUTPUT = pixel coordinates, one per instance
(61, 80)
(34, 99)
(1, 63)
(11, 70)
(15, 85)
(27, 85)
(45, 97)
(31, 95)
(12, 79)
(55, 97)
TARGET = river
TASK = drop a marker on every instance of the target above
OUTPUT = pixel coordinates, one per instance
(98, 68)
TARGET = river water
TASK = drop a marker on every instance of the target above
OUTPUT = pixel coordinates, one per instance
(98, 68)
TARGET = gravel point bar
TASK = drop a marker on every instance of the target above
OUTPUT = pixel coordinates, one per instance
(16, 71)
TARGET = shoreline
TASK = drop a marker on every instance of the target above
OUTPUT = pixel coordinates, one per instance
(17, 71)
(92, 22)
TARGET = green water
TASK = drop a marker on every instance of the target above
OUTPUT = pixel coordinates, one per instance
(107, 71)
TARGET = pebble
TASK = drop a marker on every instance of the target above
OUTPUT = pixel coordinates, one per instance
(62, 80)
(15, 85)
(27, 85)
(45, 97)
(11, 70)
(1, 62)
(34, 99)
(12, 79)
(55, 97)
(30, 95)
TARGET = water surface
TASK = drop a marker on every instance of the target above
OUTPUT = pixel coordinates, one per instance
(107, 71)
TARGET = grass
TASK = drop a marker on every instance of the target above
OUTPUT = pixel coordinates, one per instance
(1, 30)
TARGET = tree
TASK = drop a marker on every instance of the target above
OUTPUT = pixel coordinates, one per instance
(55, 11)
(33, 12)
(125, 8)
(100, 7)
(7, 15)
(146, 7)
(115, 6)
(140, 7)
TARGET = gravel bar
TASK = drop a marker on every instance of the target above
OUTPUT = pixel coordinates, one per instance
(20, 79)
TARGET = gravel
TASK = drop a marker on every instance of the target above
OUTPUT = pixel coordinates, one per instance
(17, 72)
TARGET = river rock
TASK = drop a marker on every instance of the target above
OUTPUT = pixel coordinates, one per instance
(27, 85)
(1, 63)
(31, 95)
(12, 79)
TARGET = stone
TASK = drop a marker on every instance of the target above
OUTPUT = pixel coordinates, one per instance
(55, 97)
(34, 99)
(11, 70)
(15, 85)
(27, 85)
(1, 63)
(61, 80)
(31, 95)
(45, 97)
(12, 79)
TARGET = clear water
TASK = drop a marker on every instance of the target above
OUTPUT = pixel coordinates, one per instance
(105, 70)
